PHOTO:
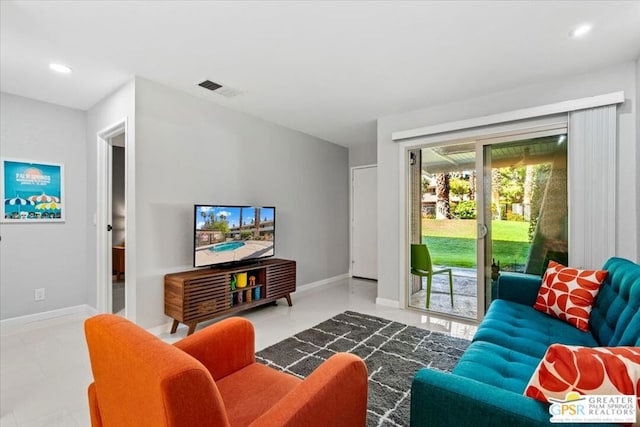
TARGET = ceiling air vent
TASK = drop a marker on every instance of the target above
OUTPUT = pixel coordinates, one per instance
(226, 91)
(208, 84)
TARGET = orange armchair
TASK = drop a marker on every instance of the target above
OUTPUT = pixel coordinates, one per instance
(211, 378)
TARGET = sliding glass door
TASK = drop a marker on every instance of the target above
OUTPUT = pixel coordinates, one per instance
(491, 205)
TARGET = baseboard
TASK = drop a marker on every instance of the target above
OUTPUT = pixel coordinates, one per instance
(46, 315)
(388, 302)
(312, 285)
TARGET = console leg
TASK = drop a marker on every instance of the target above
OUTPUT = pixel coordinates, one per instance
(288, 297)
(174, 326)
(192, 328)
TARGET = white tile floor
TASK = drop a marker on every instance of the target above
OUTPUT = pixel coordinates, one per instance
(45, 371)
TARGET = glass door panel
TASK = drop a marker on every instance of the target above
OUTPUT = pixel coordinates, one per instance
(444, 219)
(525, 210)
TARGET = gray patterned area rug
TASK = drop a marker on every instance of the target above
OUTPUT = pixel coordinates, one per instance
(393, 352)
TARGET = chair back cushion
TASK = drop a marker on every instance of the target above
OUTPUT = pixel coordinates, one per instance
(615, 316)
(143, 381)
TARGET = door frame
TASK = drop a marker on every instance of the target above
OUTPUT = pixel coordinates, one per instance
(405, 168)
(104, 150)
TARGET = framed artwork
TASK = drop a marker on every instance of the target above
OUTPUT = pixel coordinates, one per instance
(32, 192)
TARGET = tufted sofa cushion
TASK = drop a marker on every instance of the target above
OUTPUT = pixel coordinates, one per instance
(615, 317)
(521, 328)
(506, 369)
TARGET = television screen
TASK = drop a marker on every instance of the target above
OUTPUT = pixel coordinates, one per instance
(228, 234)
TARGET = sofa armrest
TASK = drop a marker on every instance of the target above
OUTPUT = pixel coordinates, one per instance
(519, 287)
(224, 347)
(443, 399)
(335, 394)
(440, 399)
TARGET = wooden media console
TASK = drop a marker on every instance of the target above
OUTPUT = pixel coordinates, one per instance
(191, 297)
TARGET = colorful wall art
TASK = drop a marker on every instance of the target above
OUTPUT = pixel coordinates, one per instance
(32, 191)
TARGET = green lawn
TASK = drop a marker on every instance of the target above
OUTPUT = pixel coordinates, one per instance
(453, 242)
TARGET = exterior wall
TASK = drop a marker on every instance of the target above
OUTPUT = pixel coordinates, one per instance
(52, 256)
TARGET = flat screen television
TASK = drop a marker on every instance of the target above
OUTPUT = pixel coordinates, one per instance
(232, 234)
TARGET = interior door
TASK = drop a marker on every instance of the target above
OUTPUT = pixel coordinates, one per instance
(364, 237)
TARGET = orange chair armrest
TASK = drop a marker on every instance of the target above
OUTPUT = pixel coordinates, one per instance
(335, 394)
(224, 347)
(94, 409)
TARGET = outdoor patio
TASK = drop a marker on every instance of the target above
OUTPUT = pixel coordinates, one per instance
(464, 294)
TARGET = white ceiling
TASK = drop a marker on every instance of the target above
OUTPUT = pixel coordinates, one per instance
(326, 68)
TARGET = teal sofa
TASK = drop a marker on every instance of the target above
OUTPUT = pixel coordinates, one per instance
(486, 387)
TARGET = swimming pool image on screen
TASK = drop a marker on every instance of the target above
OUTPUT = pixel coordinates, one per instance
(227, 246)
(226, 234)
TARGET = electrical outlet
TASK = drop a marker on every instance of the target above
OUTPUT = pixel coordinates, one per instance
(39, 294)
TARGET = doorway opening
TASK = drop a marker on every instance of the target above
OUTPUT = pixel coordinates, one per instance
(485, 204)
(113, 278)
(118, 231)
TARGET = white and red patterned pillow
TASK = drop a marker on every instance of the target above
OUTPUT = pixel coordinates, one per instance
(568, 293)
(597, 371)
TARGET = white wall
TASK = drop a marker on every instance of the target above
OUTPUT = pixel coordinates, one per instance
(187, 151)
(637, 178)
(110, 110)
(616, 78)
(363, 155)
(54, 255)
(192, 151)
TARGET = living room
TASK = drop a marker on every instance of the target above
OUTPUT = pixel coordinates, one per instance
(186, 147)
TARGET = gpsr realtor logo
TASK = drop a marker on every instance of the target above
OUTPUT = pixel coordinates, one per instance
(576, 408)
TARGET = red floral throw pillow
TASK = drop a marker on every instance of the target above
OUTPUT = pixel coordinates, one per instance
(568, 293)
(596, 371)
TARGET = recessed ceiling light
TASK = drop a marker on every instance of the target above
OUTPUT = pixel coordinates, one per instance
(60, 68)
(580, 31)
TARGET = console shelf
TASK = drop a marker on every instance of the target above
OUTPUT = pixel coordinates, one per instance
(191, 297)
